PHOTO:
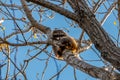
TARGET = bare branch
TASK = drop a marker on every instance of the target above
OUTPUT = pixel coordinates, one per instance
(46, 65)
(97, 34)
(14, 33)
(23, 73)
(97, 5)
(12, 6)
(80, 14)
(119, 10)
(58, 72)
(87, 45)
(56, 8)
(87, 68)
(24, 44)
(8, 66)
(81, 36)
(34, 23)
(108, 13)
(37, 53)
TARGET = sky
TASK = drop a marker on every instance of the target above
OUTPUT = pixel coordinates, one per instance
(36, 67)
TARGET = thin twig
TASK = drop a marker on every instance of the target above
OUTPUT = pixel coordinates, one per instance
(43, 73)
(75, 77)
(37, 53)
(58, 72)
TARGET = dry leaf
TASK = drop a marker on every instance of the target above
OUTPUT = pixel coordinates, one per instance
(115, 23)
(5, 47)
(35, 36)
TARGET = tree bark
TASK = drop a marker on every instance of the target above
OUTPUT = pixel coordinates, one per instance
(87, 21)
(89, 69)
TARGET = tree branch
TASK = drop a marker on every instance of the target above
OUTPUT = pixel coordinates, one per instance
(87, 45)
(109, 51)
(89, 69)
(108, 13)
(25, 44)
(34, 23)
(97, 5)
(55, 8)
(99, 37)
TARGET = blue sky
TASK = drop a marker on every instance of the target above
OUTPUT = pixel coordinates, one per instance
(36, 67)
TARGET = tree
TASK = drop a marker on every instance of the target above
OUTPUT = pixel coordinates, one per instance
(27, 40)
